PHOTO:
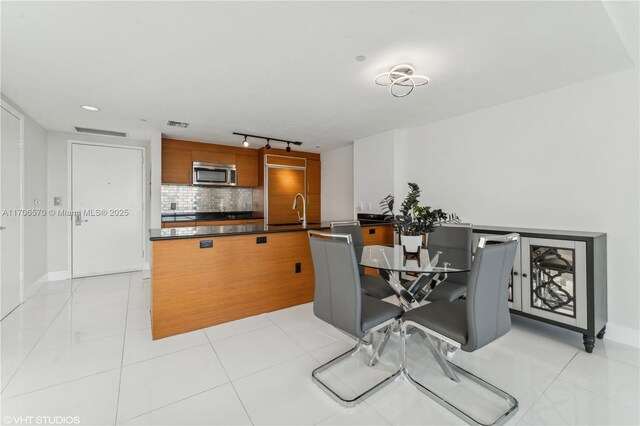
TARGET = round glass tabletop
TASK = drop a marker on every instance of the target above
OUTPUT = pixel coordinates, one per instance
(428, 260)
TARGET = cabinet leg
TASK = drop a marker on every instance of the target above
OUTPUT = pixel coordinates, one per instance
(589, 342)
(600, 335)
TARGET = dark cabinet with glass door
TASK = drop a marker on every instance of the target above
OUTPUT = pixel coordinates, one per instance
(559, 277)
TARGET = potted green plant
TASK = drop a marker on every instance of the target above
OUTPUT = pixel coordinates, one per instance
(413, 220)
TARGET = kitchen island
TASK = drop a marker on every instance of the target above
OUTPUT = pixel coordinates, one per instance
(207, 275)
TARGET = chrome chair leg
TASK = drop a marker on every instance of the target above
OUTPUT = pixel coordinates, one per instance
(348, 402)
(448, 366)
(379, 348)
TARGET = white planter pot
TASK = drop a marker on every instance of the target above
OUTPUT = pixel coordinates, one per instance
(411, 243)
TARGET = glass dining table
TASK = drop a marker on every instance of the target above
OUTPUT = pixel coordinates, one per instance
(430, 266)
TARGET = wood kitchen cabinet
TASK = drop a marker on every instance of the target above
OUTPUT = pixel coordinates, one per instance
(377, 235)
(313, 208)
(229, 222)
(313, 190)
(313, 177)
(214, 157)
(178, 157)
(180, 224)
(247, 170)
(176, 166)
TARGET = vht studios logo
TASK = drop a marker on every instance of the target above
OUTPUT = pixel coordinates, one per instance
(41, 420)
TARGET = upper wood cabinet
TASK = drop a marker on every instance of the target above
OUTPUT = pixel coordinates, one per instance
(177, 166)
(313, 208)
(313, 177)
(214, 157)
(247, 170)
(178, 157)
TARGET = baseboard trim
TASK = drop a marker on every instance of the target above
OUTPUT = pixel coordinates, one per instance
(35, 286)
(621, 334)
(58, 276)
(146, 270)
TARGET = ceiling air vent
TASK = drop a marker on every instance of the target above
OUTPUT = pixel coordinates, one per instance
(177, 124)
(100, 132)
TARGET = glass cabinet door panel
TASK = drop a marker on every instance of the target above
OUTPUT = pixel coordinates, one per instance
(553, 279)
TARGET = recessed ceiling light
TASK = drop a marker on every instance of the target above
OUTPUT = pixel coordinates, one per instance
(361, 58)
(144, 120)
(90, 108)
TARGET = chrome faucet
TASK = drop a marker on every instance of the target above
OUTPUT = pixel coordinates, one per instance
(302, 219)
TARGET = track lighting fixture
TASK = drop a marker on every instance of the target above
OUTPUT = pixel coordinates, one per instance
(268, 139)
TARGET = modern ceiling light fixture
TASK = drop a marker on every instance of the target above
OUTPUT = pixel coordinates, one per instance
(268, 139)
(401, 80)
(90, 108)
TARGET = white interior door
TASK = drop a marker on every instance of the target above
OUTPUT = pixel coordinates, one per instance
(107, 193)
(10, 221)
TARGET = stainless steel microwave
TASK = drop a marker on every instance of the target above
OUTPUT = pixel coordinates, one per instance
(214, 174)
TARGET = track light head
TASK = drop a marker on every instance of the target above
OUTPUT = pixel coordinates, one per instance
(245, 143)
(268, 145)
(288, 147)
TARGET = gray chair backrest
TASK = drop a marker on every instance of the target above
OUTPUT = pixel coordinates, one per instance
(337, 299)
(456, 242)
(353, 229)
(487, 306)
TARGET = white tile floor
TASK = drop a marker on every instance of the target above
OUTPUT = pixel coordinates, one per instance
(83, 348)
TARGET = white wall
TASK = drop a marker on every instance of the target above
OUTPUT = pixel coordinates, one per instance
(337, 184)
(373, 168)
(155, 168)
(564, 159)
(57, 173)
(35, 195)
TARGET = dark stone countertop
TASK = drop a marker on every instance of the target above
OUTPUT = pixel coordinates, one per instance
(227, 230)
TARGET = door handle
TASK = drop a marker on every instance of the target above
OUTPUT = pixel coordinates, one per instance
(79, 219)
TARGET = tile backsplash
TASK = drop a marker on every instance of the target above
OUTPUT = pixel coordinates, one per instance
(205, 199)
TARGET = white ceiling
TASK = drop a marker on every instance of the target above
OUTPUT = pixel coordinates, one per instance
(288, 70)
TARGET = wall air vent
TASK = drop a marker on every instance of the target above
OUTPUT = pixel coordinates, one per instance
(100, 132)
(177, 124)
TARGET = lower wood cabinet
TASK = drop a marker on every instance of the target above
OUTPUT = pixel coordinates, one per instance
(376, 235)
(559, 278)
(196, 285)
(178, 224)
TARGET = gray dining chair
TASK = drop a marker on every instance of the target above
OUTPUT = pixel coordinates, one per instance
(374, 286)
(339, 301)
(471, 324)
(455, 240)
